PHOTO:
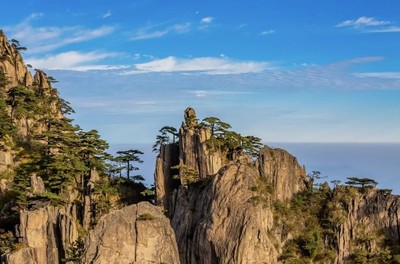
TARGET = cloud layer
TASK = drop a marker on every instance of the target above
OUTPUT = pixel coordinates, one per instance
(47, 39)
(207, 65)
(370, 25)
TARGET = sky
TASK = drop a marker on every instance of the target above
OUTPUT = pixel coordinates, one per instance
(292, 71)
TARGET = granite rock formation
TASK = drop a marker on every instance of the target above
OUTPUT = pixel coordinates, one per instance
(137, 233)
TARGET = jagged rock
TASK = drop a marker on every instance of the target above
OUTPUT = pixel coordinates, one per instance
(220, 224)
(12, 64)
(193, 151)
(218, 219)
(282, 171)
(135, 234)
(45, 235)
(370, 215)
(40, 79)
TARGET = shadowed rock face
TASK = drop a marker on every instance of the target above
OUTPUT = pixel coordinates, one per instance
(371, 214)
(46, 234)
(135, 234)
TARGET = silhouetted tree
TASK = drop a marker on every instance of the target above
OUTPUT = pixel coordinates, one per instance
(167, 135)
(129, 156)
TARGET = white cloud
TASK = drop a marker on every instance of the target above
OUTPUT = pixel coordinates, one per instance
(385, 30)
(45, 39)
(206, 65)
(206, 20)
(363, 21)
(151, 32)
(267, 32)
(206, 93)
(108, 14)
(382, 75)
(73, 60)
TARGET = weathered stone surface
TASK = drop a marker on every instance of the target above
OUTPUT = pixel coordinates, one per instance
(220, 224)
(216, 220)
(193, 151)
(282, 171)
(368, 215)
(4, 186)
(5, 160)
(45, 234)
(37, 185)
(12, 65)
(163, 176)
(135, 234)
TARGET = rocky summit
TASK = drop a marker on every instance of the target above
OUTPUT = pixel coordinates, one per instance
(218, 196)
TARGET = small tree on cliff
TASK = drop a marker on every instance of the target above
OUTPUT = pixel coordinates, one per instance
(128, 156)
(167, 135)
(361, 182)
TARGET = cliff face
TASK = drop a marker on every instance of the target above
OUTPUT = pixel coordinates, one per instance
(226, 216)
(18, 74)
(263, 211)
(12, 64)
(281, 171)
(52, 183)
(371, 222)
(44, 235)
(138, 233)
(193, 148)
(220, 223)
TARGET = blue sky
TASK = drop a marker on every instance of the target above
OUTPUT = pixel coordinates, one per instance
(285, 71)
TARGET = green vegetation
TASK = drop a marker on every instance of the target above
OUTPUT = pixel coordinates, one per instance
(168, 135)
(228, 141)
(364, 183)
(313, 218)
(187, 174)
(127, 157)
(145, 217)
(44, 143)
(263, 192)
(75, 252)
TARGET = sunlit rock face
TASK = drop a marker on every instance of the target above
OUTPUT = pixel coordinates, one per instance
(137, 233)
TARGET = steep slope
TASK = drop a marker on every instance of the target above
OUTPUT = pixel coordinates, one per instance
(236, 209)
(54, 182)
(226, 216)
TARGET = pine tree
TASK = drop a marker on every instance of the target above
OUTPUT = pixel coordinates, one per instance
(128, 156)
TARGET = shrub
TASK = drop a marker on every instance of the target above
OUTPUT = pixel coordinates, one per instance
(146, 217)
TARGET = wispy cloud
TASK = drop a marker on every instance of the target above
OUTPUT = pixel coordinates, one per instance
(382, 75)
(363, 21)
(370, 25)
(108, 14)
(205, 23)
(206, 65)
(206, 20)
(46, 39)
(73, 60)
(150, 32)
(267, 32)
(207, 93)
(385, 30)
